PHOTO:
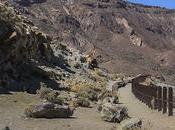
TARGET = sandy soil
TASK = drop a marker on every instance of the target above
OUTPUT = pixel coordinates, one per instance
(152, 119)
(12, 114)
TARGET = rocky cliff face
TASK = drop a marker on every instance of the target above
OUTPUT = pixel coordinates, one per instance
(22, 45)
(30, 59)
(124, 37)
(28, 56)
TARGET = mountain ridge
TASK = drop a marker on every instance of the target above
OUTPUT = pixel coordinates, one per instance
(120, 35)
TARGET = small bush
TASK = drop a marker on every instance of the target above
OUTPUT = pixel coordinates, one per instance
(50, 95)
(89, 94)
(78, 85)
(54, 98)
(104, 93)
(28, 111)
(43, 92)
(80, 102)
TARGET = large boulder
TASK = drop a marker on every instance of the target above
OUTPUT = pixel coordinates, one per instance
(112, 100)
(113, 112)
(49, 110)
(130, 124)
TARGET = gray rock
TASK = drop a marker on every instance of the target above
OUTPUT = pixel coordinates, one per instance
(112, 100)
(130, 124)
(49, 110)
(113, 113)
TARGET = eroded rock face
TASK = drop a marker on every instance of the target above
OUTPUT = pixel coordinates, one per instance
(113, 113)
(22, 44)
(48, 110)
(124, 34)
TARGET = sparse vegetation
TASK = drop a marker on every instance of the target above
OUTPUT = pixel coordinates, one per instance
(50, 95)
(89, 94)
(81, 102)
(29, 57)
(96, 82)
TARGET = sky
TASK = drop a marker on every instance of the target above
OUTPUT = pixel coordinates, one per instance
(162, 3)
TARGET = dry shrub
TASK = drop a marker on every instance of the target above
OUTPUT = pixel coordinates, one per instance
(77, 85)
(81, 86)
(89, 94)
(50, 95)
(28, 111)
(43, 92)
(80, 102)
(98, 75)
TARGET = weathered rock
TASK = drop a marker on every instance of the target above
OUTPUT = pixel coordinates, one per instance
(112, 100)
(130, 124)
(22, 45)
(113, 113)
(78, 26)
(102, 102)
(108, 95)
(48, 110)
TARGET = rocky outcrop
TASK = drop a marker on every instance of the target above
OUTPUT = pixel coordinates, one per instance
(48, 110)
(130, 124)
(134, 38)
(22, 45)
(113, 113)
(122, 34)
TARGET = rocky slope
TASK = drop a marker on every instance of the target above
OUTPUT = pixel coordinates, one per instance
(30, 58)
(62, 77)
(23, 46)
(124, 37)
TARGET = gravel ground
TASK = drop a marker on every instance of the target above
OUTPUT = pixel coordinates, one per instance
(12, 114)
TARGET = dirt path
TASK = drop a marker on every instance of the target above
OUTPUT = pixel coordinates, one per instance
(153, 120)
(12, 115)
